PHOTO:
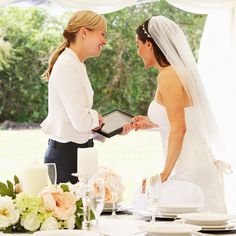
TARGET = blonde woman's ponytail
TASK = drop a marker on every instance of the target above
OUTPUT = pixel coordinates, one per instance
(53, 58)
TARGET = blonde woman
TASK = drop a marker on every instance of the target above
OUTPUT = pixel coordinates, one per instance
(71, 119)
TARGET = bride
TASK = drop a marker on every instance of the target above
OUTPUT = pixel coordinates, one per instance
(180, 110)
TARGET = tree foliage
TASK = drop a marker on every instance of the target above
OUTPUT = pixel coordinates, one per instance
(118, 77)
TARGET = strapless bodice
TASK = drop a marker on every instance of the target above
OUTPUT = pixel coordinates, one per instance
(158, 115)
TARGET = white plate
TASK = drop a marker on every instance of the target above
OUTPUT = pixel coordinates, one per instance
(149, 214)
(229, 226)
(170, 215)
(62, 232)
(177, 209)
(205, 219)
(170, 229)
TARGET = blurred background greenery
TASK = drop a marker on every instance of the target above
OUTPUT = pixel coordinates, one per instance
(28, 37)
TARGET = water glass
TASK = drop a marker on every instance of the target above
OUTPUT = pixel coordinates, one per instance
(114, 185)
(153, 193)
(97, 197)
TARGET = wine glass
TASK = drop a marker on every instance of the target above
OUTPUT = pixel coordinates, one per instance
(113, 180)
(97, 197)
(153, 193)
(52, 173)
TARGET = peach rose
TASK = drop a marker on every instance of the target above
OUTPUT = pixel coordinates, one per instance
(111, 180)
(107, 194)
(61, 204)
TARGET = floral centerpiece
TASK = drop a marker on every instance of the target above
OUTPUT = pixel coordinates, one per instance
(55, 207)
(111, 178)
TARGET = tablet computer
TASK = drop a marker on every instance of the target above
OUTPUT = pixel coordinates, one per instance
(113, 123)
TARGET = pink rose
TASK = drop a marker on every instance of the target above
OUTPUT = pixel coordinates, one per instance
(61, 204)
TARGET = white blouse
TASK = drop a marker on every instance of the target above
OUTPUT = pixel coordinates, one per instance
(70, 100)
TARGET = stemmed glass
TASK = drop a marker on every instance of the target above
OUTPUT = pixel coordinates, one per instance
(97, 197)
(52, 173)
(113, 180)
(153, 193)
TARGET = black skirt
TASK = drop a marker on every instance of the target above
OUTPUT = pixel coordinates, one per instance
(64, 155)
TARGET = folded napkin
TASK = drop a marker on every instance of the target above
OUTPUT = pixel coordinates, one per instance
(173, 192)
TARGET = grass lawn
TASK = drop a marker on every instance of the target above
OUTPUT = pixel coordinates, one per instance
(134, 156)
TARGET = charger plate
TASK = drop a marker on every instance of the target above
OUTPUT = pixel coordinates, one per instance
(170, 229)
(206, 219)
(178, 209)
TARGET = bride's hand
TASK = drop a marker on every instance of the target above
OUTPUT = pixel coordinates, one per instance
(127, 128)
(142, 122)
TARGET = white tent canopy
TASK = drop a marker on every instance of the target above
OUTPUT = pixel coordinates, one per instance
(217, 56)
(101, 6)
(107, 6)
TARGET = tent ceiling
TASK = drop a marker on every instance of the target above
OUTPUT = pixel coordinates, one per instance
(101, 6)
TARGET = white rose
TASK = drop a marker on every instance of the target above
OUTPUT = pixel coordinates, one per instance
(49, 224)
(70, 223)
(31, 222)
(8, 214)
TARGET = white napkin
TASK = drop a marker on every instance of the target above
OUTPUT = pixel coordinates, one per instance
(173, 192)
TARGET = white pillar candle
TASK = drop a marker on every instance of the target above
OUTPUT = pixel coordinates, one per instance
(34, 178)
(87, 163)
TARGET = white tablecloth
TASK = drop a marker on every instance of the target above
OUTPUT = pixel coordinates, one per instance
(125, 225)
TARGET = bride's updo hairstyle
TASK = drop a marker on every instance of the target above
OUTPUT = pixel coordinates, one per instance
(143, 35)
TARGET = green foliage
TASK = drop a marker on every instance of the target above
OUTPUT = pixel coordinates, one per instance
(65, 187)
(118, 76)
(32, 35)
(8, 188)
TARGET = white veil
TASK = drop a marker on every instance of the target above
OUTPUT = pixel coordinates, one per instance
(173, 43)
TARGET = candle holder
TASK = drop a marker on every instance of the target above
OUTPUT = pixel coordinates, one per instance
(85, 182)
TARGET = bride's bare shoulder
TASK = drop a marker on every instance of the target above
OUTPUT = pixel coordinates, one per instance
(168, 75)
(168, 72)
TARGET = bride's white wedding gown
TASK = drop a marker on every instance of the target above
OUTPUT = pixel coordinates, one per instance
(196, 163)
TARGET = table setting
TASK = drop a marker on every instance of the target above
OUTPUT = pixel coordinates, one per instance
(35, 205)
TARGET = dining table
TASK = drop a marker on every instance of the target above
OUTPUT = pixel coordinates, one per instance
(128, 225)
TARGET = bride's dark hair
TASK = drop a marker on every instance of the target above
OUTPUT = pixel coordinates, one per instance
(143, 35)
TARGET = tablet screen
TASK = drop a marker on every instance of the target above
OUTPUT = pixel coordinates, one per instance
(114, 121)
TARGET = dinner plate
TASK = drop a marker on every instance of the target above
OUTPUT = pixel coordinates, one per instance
(205, 219)
(62, 232)
(170, 229)
(166, 216)
(227, 227)
(177, 209)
